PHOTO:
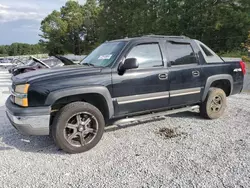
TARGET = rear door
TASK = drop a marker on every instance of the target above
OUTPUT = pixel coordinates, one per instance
(184, 74)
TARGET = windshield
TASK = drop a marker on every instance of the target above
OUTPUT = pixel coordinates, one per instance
(105, 54)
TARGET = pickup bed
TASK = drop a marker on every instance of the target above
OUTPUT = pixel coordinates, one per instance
(122, 81)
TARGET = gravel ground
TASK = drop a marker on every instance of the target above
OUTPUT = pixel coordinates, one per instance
(247, 82)
(182, 150)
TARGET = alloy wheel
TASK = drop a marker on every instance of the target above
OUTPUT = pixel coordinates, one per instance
(81, 129)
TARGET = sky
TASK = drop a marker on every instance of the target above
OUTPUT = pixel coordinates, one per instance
(20, 19)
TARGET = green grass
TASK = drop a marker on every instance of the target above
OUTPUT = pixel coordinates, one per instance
(234, 54)
(240, 54)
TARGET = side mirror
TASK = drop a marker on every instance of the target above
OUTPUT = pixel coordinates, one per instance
(130, 63)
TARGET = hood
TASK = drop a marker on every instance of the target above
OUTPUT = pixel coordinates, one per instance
(65, 60)
(57, 73)
(39, 61)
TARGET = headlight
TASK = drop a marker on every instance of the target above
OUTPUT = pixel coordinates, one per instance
(21, 95)
(22, 88)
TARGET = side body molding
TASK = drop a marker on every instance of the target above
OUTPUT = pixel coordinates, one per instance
(55, 95)
(211, 79)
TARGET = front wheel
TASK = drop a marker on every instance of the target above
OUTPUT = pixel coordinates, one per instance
(78, 127)
(214, 105)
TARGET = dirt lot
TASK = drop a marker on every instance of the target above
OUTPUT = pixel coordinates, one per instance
(181, 150)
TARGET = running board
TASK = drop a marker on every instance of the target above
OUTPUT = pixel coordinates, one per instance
(158, 114)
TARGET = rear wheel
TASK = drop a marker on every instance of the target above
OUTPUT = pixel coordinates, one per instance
(78, 127)
(214, 105)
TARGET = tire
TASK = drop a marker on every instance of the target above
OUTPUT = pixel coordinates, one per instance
(76, 121)
(214, 105)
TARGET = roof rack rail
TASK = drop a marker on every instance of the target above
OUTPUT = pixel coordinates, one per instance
(164, 36)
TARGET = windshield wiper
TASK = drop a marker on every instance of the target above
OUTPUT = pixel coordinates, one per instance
(88, 64)
(91, 65)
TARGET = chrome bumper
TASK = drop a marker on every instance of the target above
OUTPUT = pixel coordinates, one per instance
(29, 121)
(30, 125)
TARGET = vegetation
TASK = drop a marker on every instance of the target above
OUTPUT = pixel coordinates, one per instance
(221, 24)
(241, 54)
(21, 49)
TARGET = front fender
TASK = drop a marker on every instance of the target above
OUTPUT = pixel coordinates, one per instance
(58, 94)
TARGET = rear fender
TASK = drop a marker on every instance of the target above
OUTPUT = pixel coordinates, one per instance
(211, 79)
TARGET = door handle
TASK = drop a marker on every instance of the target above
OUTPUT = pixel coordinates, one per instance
(196, 73)
(163, 76)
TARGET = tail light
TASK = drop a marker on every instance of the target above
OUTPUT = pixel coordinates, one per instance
(243, 67)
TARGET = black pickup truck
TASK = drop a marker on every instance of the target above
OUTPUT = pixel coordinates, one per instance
(122, 81)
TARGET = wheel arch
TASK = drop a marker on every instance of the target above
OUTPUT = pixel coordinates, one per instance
(98, 96)
(222, 81)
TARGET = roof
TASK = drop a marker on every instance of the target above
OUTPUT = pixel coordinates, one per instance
(150, 36)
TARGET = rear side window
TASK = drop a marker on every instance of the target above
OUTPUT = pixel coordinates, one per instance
(209, 55)
(147, 55)
(206, 51)
(181, 54)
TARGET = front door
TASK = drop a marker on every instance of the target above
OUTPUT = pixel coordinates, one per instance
(184, 74)
(144, 88)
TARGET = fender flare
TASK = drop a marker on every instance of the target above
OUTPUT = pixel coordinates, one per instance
(58, 94)
(211, 79)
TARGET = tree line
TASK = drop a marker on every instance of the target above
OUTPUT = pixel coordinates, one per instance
(21, 49)
(221, 24)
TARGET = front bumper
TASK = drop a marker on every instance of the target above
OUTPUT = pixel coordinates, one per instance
(29, 121)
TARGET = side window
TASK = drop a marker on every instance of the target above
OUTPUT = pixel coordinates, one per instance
(181, 54)
(147, 55)
(206, 51)
(209, 55)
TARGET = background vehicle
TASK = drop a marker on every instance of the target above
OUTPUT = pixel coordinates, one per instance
(6, 62)
(134, 78)
(34, 64)
(16, 63)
